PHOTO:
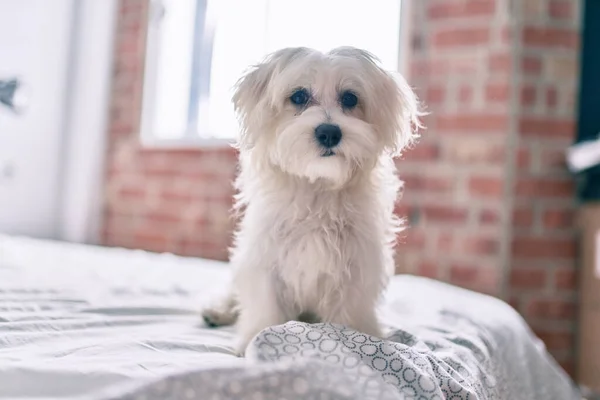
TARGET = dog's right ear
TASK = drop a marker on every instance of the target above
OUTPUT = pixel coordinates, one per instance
(252, 99)
(249, 100)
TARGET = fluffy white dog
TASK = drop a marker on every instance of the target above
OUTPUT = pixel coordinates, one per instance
(317, 189)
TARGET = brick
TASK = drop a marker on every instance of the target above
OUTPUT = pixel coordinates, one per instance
(156, 164)
(177, 195)
(553, 160)
(547, 127)
(522, 217)
(435, 95)
(402, 209)
(506, 34)
(534, 247)
(461, 37)
(550, 37)
(117, 223)
(565, 278)
(551, 309)
(515, 302)
(116, 240)
(413, 239)
(473, 151)
(131, 44)
(523, 159)
(500, 62)
(135, 192)
(130, 26)
(480, 246)
(545, 187)
(497, 92)
(561, 9)
(568, 366)
(465, 94)
(207, 249)
(152, 241)
(445, 242)
(531, 65)
(528, 95)
(486, 187)
(489, 217)
(202, 222)
(426, 68)
(533, 9)
(528, 278)
(463, 65)
(477, 277)
(444, 213)
(559, 219)
(461, 9)
(132, 7)
(556, 339)
(432, 184)
(422, 152)
(551, 98)
(120, 129)
(473, 123)
(428, 269)
(164, 215)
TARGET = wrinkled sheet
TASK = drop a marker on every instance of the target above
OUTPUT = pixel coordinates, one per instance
(87, 322)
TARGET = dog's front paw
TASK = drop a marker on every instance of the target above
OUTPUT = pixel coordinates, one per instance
(217, 316)
(222, 312)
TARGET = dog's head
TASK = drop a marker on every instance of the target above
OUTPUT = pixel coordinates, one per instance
(324, 116)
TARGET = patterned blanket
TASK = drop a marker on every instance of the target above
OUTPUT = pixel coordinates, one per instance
(450, 344)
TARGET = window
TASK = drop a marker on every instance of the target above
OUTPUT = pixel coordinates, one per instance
(197, 49)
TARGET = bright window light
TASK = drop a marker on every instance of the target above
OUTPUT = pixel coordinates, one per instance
(190, 98)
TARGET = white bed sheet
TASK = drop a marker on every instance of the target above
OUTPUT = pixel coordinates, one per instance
(74, 319)
(90, 322)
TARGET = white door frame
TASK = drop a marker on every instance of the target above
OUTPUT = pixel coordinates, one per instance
(86, 125)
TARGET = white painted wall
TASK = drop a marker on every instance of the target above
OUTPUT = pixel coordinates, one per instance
(34, 45)
(51, 157)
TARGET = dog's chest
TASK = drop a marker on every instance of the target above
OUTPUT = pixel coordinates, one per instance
(317, 255)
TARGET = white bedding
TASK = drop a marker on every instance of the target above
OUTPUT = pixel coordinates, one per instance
(87, 322)
(74, 319)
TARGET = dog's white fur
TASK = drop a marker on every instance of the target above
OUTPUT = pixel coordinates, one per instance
(316, 235)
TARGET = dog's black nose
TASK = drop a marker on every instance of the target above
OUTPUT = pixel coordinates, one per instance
(328, 135)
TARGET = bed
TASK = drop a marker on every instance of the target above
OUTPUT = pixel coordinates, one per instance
(84, 322)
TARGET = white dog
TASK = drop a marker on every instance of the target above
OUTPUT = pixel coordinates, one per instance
(317, 189)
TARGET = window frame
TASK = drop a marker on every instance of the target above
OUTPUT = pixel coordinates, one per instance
(204, 30)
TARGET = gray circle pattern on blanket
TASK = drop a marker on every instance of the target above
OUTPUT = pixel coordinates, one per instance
(328, 361)
(375, 365)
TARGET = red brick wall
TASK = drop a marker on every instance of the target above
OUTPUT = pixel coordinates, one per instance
(543, 240)
(160, 200)
(461, 66)
(489, 201)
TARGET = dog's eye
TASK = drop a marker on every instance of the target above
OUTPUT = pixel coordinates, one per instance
(300, 97)
(349, 100)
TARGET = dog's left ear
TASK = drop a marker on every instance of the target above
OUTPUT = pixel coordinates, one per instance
(401, 113)
(395, 109)
(408, 115)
